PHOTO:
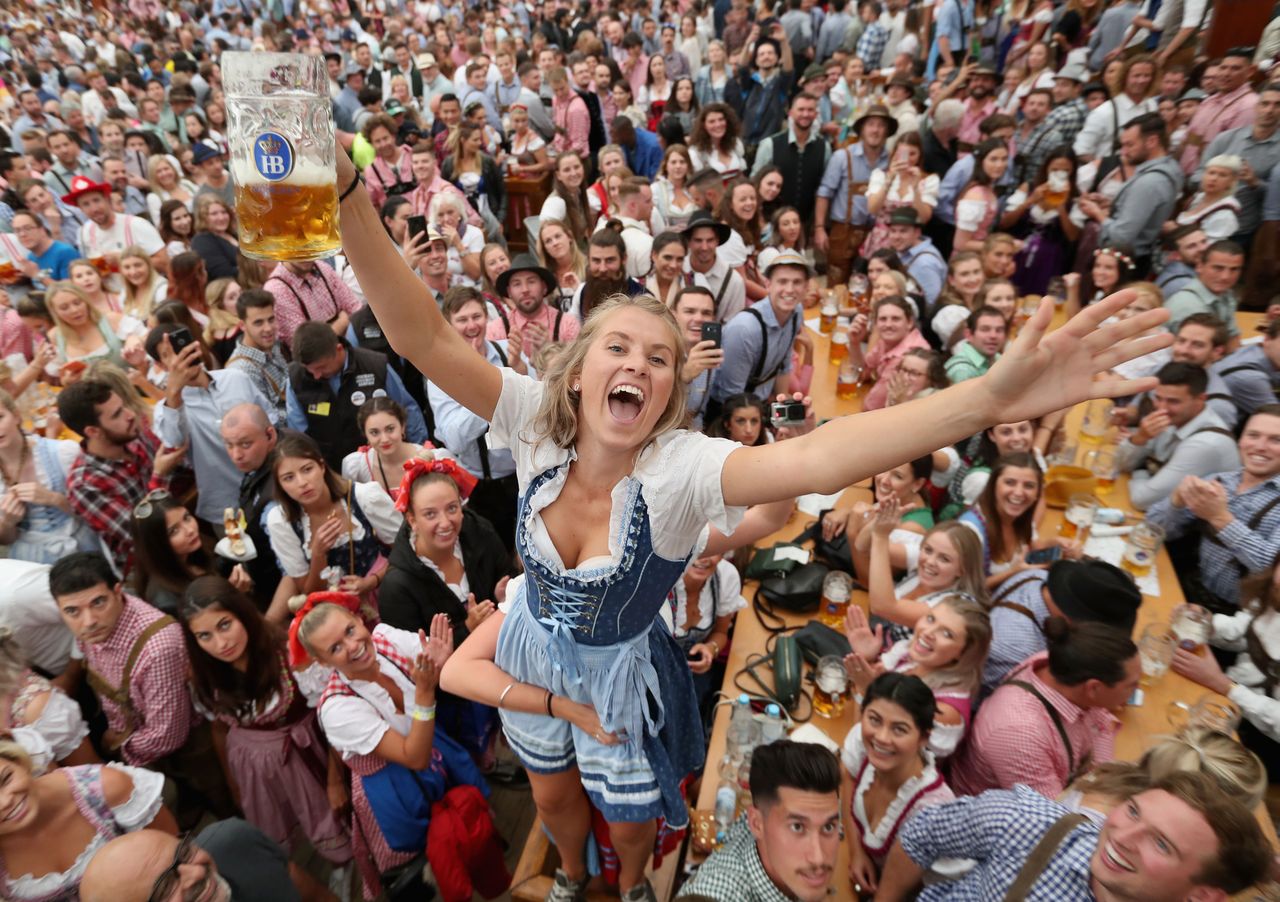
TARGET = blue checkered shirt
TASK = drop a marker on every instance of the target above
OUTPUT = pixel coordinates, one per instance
(998, 829)
(871, 45)
(1252, 549)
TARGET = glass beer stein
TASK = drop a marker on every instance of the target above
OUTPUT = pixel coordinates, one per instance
(280, 130)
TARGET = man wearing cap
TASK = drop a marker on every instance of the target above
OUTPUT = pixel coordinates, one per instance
(703, 266)
(428, 254)
(347, 104)
(434, 82)
(212, 175)
(917, 253)
(757, 342)
(1077, 590)
(841, 193)
(525, 287)
(800, 152)
(1236, 515)
(980, 85)
(1069, 107)
(402, 64)
(107, 233)
(900, 101)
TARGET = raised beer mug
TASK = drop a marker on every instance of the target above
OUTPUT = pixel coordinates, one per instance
(280, 131)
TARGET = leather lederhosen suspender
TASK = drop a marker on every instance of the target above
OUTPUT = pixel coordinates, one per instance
(120, 694)
(1038, 861)
(1075, 769)
(999, 599)
(756, 379)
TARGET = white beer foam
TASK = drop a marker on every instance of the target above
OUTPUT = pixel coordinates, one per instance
(304, 172)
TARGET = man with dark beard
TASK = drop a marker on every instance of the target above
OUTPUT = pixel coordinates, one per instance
(606, 273)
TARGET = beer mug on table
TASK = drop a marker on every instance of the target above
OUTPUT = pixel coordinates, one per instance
(282, 155)
(830, 683)
(1105, 467)
(1140, 549)
(1079, 516)
(1192, 626)
(837, 588)
(1097, 420)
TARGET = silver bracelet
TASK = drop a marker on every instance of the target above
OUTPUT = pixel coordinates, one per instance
(503, 697)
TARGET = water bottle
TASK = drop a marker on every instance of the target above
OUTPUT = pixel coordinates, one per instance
(726, 798)
(741, 727)
(744, 782)
(774, 727)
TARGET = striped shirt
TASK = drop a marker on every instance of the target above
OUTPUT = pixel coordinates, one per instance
(1239, 545)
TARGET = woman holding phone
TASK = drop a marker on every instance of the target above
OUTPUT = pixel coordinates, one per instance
(616, 498)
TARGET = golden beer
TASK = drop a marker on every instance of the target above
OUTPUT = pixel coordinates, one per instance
(830, 683)
(827, 324)
(839, 347)
(1067, 529)
(288, 220)
(1106, 484)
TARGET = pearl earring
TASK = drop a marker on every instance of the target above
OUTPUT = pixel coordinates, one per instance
(577, 386)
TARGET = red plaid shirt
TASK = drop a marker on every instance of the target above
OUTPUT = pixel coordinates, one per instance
(103, 492)
(158, 687)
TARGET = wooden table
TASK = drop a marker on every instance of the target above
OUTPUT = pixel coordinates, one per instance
(1141, 727)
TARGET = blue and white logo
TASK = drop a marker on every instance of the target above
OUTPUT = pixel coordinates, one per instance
(272, 156)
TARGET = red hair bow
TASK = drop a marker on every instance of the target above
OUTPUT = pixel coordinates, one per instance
(417, 466)
(298, 656)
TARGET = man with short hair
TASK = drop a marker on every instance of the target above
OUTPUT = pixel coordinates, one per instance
(757, 342)
(120, 462)
(1212, 290)
(639, 146)
(1236, 515)
(759, 94)
(1079, 591)
(194, 402)
(430, 183)
(116, 174)
(477, 91)
(1099, 136)
(69, 161)
(309, 292)
(570, 115)
(787, 844)
(47, 260)
(107, 233)
(1031, 139)
(1050, 719)
(136, 662)
(635, 211)
(229, 861)
(1231, 107)
(33, 117)
(985, 334)
(329, 381)
(531, 97)
(1201, 341)
(693, 307)
(525, 286)
(1184, 248)
(249, 438)
(917, 253)
(258, 354)
(1204, 845)
(871, 44)
(212, 174)
(838, 195)
(1180, 437)
(800, 152)
(1147, 198)
(1252, 373)
(402, 64)
(677, 63)
(702, 265)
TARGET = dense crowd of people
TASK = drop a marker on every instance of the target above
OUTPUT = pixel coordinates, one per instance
(307, 556)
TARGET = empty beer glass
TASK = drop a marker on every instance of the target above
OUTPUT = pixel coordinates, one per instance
(282, 155)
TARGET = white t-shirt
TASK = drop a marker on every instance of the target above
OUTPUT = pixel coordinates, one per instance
(726, 600)
(295, 556)
(31, 613)
(124, 232)
(679, 475)
(472, 243)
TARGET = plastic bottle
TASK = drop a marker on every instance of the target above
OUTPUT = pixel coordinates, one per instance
(726, 810)
(744, 782)
(774, 727)
(740, 738)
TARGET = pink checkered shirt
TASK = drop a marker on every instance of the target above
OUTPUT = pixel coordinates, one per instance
(1014, 740)
(158, 688)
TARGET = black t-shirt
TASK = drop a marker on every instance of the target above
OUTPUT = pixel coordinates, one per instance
(255, 867)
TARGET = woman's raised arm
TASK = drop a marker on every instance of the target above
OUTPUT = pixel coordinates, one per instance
(1039, 373)
(405, 308)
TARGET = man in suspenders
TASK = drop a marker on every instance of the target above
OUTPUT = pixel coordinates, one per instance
(704, 267)
(1076, 590)
(1180, 437)
(757, 342)
(1235, 515)
(463, 432)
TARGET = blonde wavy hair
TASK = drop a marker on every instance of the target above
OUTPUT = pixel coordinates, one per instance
(10, 750)
(557, 417)
(67, 287)
(965, 674)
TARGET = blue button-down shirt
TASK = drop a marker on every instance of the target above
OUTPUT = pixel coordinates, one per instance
(198, 421)
(461, 431)
(835, 183)
(953, 19)
(742, 347)
(415, 427)
(1015, 636)
(645, 156)
(926, 266)
(998, 829)
(1252, 549)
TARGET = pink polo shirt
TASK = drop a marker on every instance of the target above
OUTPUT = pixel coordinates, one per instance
(884, 362)
(1217, 114)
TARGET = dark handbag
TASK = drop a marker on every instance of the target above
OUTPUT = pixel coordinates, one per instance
(798, 591)
(836, 552)
(766, 563)
(817, 641)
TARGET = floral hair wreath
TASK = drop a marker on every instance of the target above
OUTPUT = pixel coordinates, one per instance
(1118, 254)
(302, 605)
(421, 465)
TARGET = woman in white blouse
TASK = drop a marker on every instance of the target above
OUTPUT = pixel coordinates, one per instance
(382, 459)
(1214, 208)
(324, 521)
(58, 821)
(29, 701)
(905, 184)
(670, 196)
(715, 141)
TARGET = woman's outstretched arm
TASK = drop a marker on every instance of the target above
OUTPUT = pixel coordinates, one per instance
(405, 309)
(1039, 373)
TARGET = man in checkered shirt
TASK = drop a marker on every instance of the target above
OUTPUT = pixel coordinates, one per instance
(1182, 839)
(786, 846)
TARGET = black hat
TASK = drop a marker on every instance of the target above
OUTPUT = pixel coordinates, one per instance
(1095, 590)
(904, 216)
(703, 219)
(526, 263)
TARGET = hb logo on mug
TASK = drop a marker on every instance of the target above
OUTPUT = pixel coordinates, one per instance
(272, 156)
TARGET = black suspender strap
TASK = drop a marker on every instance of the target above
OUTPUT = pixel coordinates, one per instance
(755, 380)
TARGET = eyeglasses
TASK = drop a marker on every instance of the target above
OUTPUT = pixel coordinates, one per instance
(168, 881)
(143, 508)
